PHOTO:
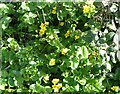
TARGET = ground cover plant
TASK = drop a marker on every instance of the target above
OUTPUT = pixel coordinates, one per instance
(60, 47)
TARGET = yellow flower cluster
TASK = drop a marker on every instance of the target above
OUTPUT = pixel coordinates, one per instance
(64, 51)
(56, 86)
(43, 28)
(61, 23)
(67, 34)
(115, 88)
(77, 37)
(86, 9)
(54, 10)
(52, 62)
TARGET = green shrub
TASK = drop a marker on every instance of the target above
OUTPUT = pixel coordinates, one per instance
(59, 47)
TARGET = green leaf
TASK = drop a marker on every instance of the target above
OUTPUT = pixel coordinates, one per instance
(40, 88)
(2, 86)
(61, 13)
(117, 74)
(10, 39)
(74, 63)
(3, 83)
(79, 53)
(48, 89)
(5, 22)
(113, 55)
(116, 39)
(112, 25)
(77, 87)
(114, 7)
(68, 88)
(4, 73)
(19, 81)
(41, 5)
(32, 87)
(108, 66)
(11, 82)
(110, 35)
(68, 4)
(118, 55)
(85, 51)
(32, 62)
(82, 81)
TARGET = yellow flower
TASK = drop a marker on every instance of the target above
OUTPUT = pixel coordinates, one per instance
(64, 51)
(54, 8)
(115, 88)
(55, 81)
(42, 25)
(57, 87)
(52, 62)
(77, 37)
(61, 23)
(54, 12)
(46, 23)
(46, 77)
(67, 34)
(86, 9)
(42, 32)
(44, 28)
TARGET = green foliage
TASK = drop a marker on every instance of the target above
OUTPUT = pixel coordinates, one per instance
(69, 41)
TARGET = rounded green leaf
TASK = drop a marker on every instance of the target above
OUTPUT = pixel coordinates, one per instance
(85, 51)
(82, 82)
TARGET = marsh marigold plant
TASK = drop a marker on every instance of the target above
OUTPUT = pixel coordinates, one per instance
(60, 47)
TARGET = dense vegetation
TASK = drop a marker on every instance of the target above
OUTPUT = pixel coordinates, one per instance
(60, 47)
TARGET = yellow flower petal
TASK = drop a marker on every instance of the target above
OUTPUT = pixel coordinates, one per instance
(64, 51)
(52, 62)
(54, 12)
(42, 32)
(46, 23)
(42, 25)
(55, 88)
(61, 23)
(44, 28)
(54, 8)
(115, 88)
(59, 85)
(67, 34)
(77, 37)
(55, 81)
